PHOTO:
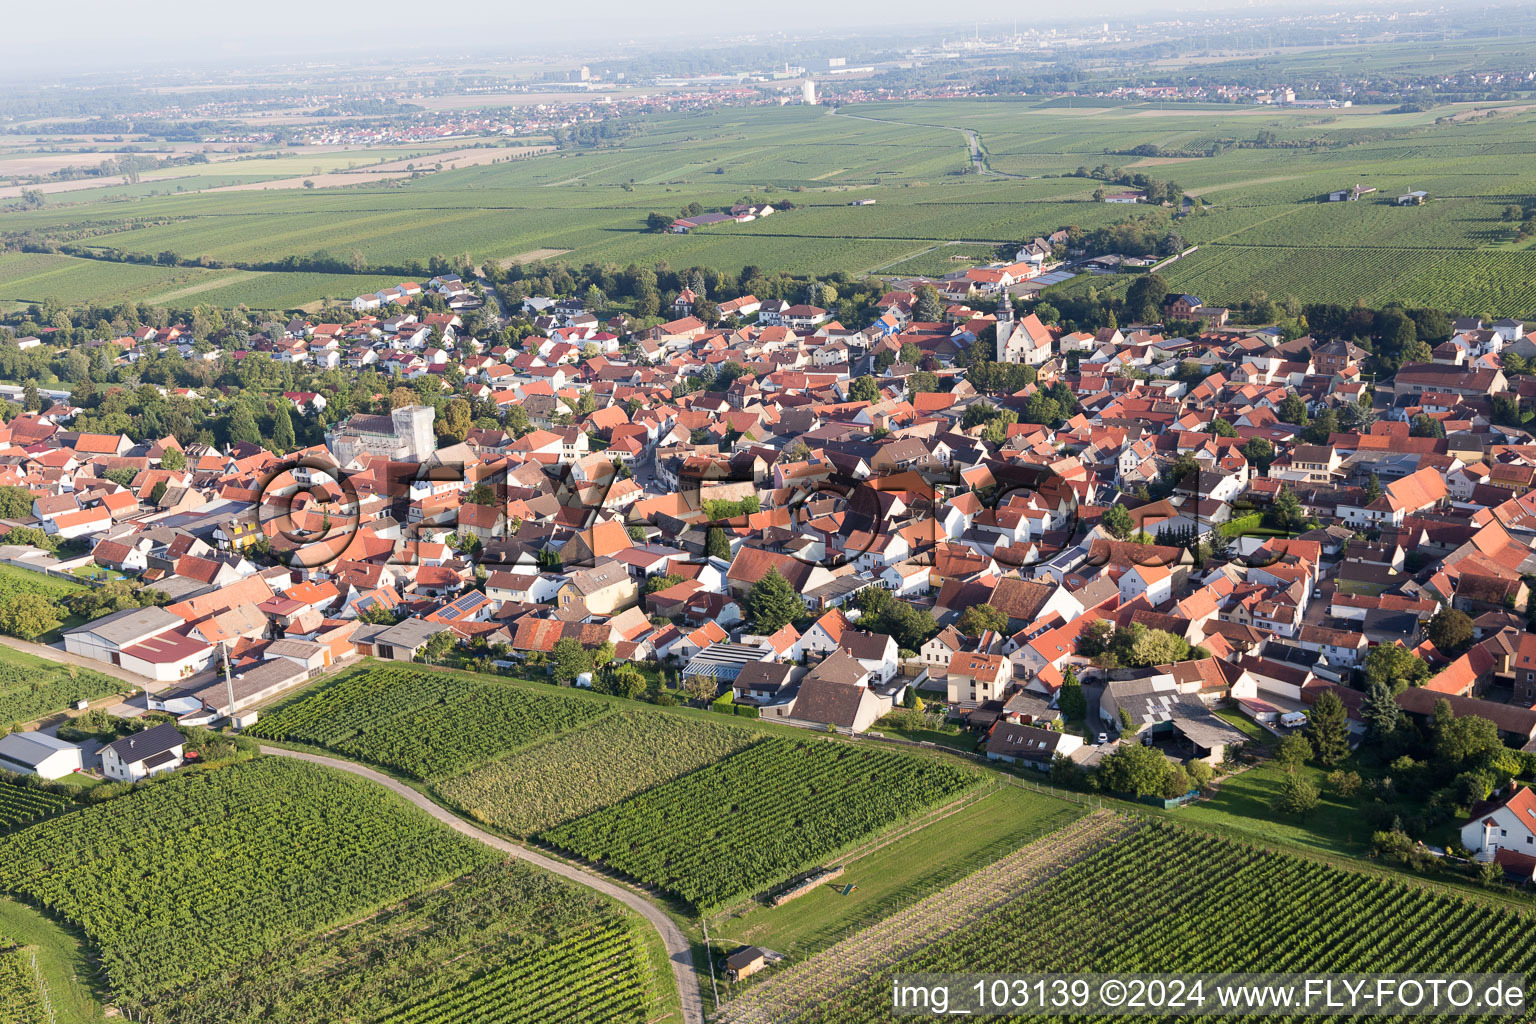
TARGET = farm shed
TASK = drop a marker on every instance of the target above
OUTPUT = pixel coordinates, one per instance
(36, 753)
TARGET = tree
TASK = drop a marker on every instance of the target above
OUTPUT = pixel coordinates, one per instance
(979, 618)
(1117, 520)
(1450, 631)
(242, 426)
(481, 494)
(283, 439)
(15, 503)
(1136, 769)
(457, 420)
(1297, 795)
(570, 660)
(1070, 700)
(401, 397)
(28, 616)
(1380, 711)
(1260, 452)
(772, 603)
(1426, 426)
(1293, 751)
(657, 222)
(1372, 489)
(438, 647)
(1287, 513)
(864, 389)
(1464, 741)
(1396, 667)
(929, 307)
(717, 545)
(1328, 729)
(624, 680)
(1293, 410)
(1144, 298)
(175, 460)
(700, 688)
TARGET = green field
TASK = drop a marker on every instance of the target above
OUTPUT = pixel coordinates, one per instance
(580, 771)
(44, 277)
(1168, 899)
(62, 961)
(912, 158)
(505, 942)
(897, 874)
(20, 805)
(209, 869)
(31, 687)
(426, 724)
(755, 819)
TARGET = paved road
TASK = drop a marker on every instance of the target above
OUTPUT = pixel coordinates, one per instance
(678, 949)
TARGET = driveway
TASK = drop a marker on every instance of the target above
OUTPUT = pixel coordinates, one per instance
(678, 950)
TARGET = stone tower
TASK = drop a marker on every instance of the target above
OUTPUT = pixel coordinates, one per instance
(413, 427)
(1005, 326)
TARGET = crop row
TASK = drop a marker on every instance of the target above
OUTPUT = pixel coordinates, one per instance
(758, 817)
(598, 974)
(211, 868)
(427, 724)
(1167, 899)
(1497, 282)
(422, 952)
(20, 1002)
(585, 769)
(19, 804)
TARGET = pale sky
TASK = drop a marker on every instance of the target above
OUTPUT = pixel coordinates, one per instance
(147, 33)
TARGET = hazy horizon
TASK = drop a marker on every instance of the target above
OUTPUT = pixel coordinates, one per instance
(159, 33)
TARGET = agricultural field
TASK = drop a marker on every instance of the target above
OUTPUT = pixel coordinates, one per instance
(64, 970)
(31, 687)
(210, 869)
(27, 278)
(504, 943)
(1494, 282)
(21, 805)
(429, 725)
(1238, 910)
(721, 834)
(581, 770)
(21, 1001)
(1261, 169)
(906, 869)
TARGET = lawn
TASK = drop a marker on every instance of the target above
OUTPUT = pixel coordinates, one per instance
(61, 957)
(900, 873)
(1244, 804)
(934, 730)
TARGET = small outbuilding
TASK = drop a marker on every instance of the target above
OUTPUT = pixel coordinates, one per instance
(744, 963)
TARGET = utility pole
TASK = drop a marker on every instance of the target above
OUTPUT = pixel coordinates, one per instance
(229, 683)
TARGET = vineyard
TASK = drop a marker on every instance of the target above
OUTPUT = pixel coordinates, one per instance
(1455, 279)
(583, 770)
(506, 942)
(209, 869)
(594, 975)
(426, 724)
(926, 922)
(31, 687)
(20, 805)
(1167, 899)
(758, 817)
(20, 1000)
